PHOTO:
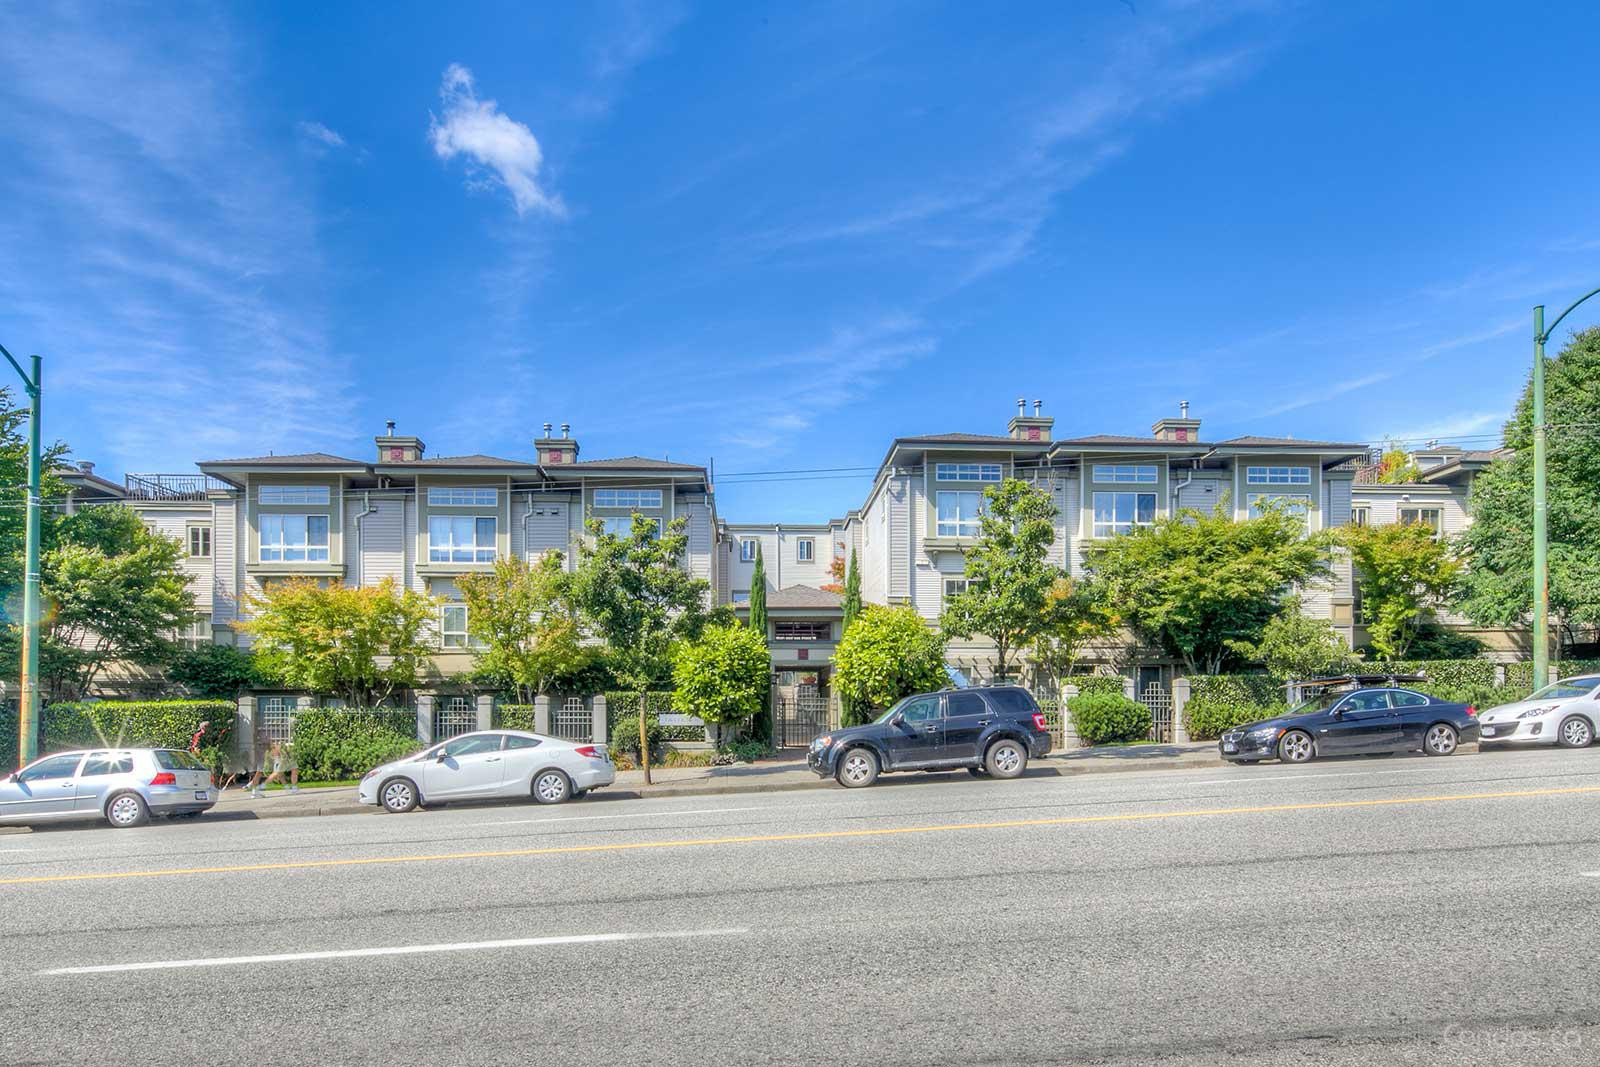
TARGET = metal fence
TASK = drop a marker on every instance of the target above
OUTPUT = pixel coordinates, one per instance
(454, 715)
(572, 720)
(1159, 701)
(1055, 717)
(276, 718)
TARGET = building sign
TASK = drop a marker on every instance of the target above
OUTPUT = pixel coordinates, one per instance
(674, 719)
(397, 454)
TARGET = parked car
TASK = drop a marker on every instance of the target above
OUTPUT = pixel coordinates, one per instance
(124, 786)
(494, 763)
(1565, 713)
(1367, 721)
(990, 730)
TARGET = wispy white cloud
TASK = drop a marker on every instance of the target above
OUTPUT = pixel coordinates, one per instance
(499, 149)
(1472, 429)
(319, 135)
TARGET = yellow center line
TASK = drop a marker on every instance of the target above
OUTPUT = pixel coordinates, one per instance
(819, 835)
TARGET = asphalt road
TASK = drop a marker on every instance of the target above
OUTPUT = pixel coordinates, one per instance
(1400, 910)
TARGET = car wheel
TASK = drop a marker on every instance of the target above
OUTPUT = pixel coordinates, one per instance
(858, 768)
(1296, 747)
(1440, 739)
(127, 810)
(551, 787)
(976, 772)
(399, 795)
(1575, 732)
(1005, 759)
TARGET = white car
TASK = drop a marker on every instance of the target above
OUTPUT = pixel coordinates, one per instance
(1565, 713)
(487, 765)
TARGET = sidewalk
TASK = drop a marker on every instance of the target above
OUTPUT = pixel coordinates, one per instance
(767, 776)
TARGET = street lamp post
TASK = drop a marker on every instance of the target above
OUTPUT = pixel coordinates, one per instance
(1541, 508)
(28, 719)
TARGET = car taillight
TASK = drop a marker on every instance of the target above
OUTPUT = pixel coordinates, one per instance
(165, 778)
(1039, 723)
(588, 752)
(1472, 710)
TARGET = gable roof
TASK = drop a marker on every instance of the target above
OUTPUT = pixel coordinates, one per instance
(967, 439)
(475, 460)
(292, 459)
(1120, 440)
(1289, 443)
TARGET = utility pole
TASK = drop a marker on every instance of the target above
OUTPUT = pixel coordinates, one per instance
(28, 719)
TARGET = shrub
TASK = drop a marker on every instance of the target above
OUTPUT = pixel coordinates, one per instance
(1109, 718)
(1206, 718)
(722, 676)
(624, 735)
(745, 750)
(886, 654)
(140, 724)
(217, 672)
(514, 717)
(331, 744)
(1097, 683)
(621, 702)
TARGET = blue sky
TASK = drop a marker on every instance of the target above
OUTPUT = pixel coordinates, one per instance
(779, 238)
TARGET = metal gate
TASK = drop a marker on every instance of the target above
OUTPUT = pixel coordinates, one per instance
(573, 721)
(1159, 701)
(797, 719)
(453, 716)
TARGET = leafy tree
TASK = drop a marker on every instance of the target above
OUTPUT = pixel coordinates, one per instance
(1499, 543)
(1294, 645)
(360, 643)
(1402, 571)
(635, 594)
(836, 574)
(1193, 583)
(1395, 467)
(852, 592)
(887, 654)
(1076, 614)
(758, 595)
(523, 616)
(1008, 576)
(722, 675)
(215, 671)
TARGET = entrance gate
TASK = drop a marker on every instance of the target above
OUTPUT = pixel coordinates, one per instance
(798, 715)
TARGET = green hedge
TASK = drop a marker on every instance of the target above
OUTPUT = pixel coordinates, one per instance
(621, 702)
(1109, 718)
(1098, 683)
(331, 744)
(139, 724)
(514, 717)
(1220, 702)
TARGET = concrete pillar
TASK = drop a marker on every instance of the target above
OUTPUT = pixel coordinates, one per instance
(1130, 688)
(1069, 729)
(597, 719)
(1499, 675)
(541, 714)
(244, 729)
(425, 717)
(1180, 697)
(485, 711)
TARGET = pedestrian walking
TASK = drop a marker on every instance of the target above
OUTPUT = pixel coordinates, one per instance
(279, 761)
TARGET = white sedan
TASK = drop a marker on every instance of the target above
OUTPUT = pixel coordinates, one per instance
(1565, 713)
(484, 766)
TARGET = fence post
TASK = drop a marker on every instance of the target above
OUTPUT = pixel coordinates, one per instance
(1069, 729)
(244, 726)
(1130, 688)
(597, 719)
(1499, 675)
(485, 711)
(541, 714)
(1180, 697)
(425, 717)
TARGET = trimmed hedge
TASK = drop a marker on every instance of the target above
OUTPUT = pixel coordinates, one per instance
(1097, 683)
(138, 724)
(1109, 718)
(331, 744)
(621, 702)
(1220, 702)
(514, 717)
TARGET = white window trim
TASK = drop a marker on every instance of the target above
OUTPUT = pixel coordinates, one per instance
(1250, 500)
(631, 499)
(967, 472)
(1421, 509)
(961, 523)
(456, 639)
(1126, 474)
(1117, 529)
(963, 585)
(475, 546)
(805, 550)
(189, 538)
(1267, 475)
(622, 525)
(1361, 515)
(747, 543)
(312, 495)
(463, 496)
(279, 547)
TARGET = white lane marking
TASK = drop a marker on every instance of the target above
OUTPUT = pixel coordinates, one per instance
(1302, 777)
(1589, 874)
(395, 950)
(630, 815)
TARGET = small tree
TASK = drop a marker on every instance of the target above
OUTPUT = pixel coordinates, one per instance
(1076, 614)
(1008, 577)
(1293, 645)
(634, 593)
(362, 644)
(758, 595)
(889, 653)
(722, 676)
(852, 592)
(1396, 467)
(524, 619)
(1403, 571)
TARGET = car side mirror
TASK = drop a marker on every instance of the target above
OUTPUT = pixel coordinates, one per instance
(442, 756)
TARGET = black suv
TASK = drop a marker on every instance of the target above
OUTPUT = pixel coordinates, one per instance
(993, 730)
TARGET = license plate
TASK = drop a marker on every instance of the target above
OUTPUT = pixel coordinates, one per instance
(1230, 748)
(1488, 731)
(200, 794)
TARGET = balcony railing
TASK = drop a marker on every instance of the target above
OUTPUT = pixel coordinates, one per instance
(170, 486)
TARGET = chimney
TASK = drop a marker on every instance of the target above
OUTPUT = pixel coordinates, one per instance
(557, 451)
(1025, 427)
(1182, 428)
(86, 466)
(398, 448)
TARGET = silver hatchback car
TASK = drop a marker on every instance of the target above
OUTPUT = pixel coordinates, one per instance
(124, 786)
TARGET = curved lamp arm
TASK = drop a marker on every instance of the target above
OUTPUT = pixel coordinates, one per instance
(1542, 338)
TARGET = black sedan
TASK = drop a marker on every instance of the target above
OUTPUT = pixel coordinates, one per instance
(1367, 721)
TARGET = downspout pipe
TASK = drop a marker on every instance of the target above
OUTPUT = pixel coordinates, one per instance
(367, 509)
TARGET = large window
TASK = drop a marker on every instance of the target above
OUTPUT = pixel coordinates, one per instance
(1277, 475)
(461, 539)
(1125, 474)
(627, 498)
(622, 526)
(294, 538)
(967, 472)
(747, 550)
(805, 550)
(459, 497)
(1433, 518)
(1360, 516)
(453, 627)
(1119, 513)
(958, 514)
(199, 542)
(197, 633)
(293, 494)
(1294, 503)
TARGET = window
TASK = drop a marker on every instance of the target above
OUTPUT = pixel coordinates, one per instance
(476, 745)
(622, 526)
(1125, 473)
(957, 705)
(1277, 475)
(627, 498)
(293, 494)
(956, 586)
(1430, 517)
(805, 550)
(802, 631)
(747, 550)
(52, 768)
(517, 741)
(1013, 701)
(1119, 513)
(463, 498)
(741, 596)
(1360, 516)
(958, 514)
(967, 472)
(1294, 503)
(199, 541)
(107, 763)
(461, 539)
(1372, 700)
(173, 759)
(294, 538)
(197, 633)
(453, 627)
(921, 709)
(1404, 698)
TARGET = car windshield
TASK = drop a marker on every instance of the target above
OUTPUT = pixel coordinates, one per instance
(1317, 703)
(173, 760)
(1567, 688)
